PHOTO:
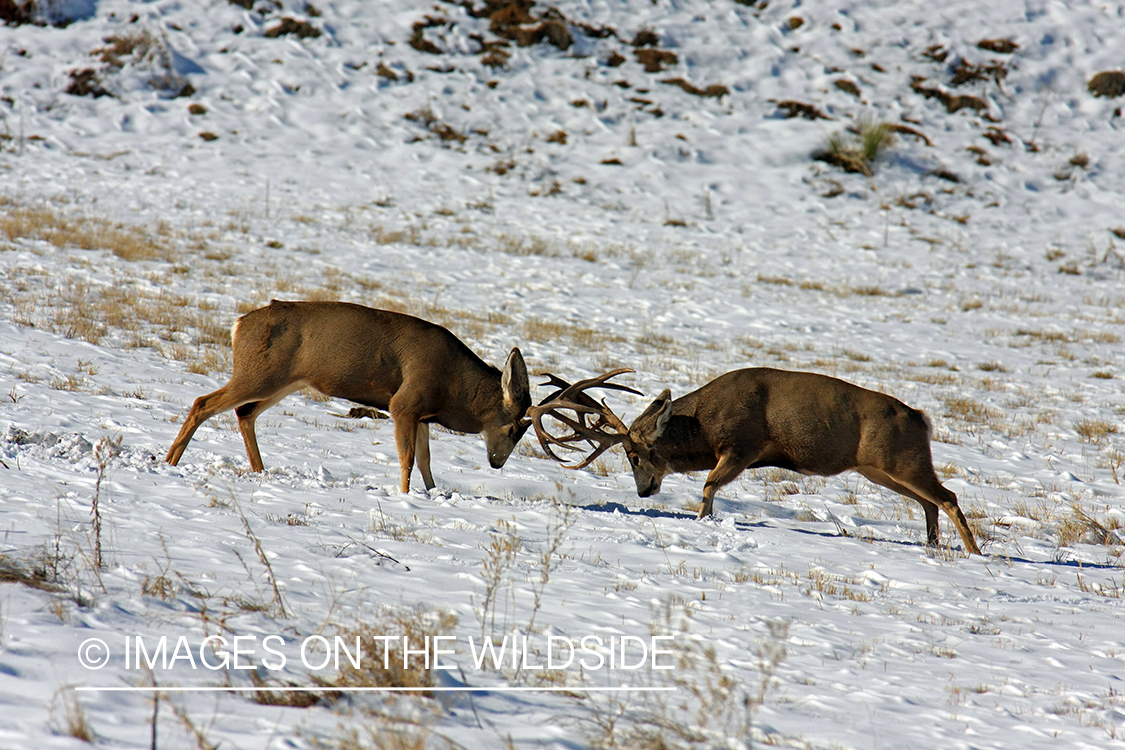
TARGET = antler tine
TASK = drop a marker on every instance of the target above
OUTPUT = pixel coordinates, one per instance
(598, 382)
(602, 439)
(575, 393)
(572, 397)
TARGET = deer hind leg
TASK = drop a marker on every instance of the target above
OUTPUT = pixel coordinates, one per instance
(422, 454)
(728, 467)
(247, 413)
(249, 402)
(927, 490)
(203, 409)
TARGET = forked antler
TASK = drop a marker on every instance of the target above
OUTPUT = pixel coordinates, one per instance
(574, 398)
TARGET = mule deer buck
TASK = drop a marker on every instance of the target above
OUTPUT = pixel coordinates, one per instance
(746, 419)
(420, 372)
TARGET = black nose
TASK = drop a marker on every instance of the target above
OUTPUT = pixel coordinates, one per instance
(494, 463)
(650, 490)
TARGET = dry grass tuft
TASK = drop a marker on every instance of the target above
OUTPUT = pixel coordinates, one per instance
(37, 576)
(289, 698)
(867, 141)
(384, 664)
(87, 233)
(968, 410)
(1079, 527)
(1094, 430)
(73, 721)
(558, 331)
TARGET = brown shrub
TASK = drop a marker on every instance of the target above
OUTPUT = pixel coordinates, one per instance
(800, 109)
(15, 14)
(952, 102)
(936, 52)
(1110, 83)
(86, 82)
(654, 60)
(1000, 46)
(495, 54)
(848, 87)
(419, 42)
(298, 28)
(554, 32)
(966, 72)
(716, 90)
(996, 135)
(645, 38)
(895, 127)
(505, 19)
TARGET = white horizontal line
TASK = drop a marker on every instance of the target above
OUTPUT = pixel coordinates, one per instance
(319, 689)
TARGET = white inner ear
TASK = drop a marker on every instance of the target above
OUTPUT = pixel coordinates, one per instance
(513, 381)
(662, 416)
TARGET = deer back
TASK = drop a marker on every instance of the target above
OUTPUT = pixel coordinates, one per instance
(801, 421)
(368, 356)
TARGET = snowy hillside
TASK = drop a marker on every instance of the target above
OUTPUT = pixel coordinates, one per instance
(923, 199)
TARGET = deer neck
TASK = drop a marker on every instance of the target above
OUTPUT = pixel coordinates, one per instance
(684, 446)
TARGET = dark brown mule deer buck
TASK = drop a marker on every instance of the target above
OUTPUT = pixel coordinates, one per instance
(746, 419)
(420, 372)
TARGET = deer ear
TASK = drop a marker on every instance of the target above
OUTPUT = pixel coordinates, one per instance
(514, 383)
(654, 419)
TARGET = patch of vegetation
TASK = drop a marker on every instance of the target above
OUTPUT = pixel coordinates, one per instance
(427, 119)
(655, 60)
(292, 26)
(86, 233)
(857, 152)
(715, 90)
(1108, 83)
(794, 108)
(967, 72)
(1000, 46)
(952, 102)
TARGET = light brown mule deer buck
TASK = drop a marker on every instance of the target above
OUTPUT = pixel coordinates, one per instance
(746, 419)
(420, 372)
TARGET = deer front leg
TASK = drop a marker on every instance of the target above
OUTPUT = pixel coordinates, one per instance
(725, 471)
(406, 438)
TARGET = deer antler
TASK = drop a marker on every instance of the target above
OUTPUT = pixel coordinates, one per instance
(574, 398)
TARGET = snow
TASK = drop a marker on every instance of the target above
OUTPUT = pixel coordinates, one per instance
(993, 303)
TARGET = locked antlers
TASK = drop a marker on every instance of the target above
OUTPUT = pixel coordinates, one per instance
(574, 398)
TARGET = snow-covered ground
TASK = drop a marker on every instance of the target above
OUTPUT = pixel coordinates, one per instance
(574, 204)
